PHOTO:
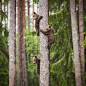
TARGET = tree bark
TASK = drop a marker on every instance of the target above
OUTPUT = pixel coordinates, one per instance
(7, 14)
(1, 13)
(33, 11)
(24, 46)
(75, 44)
(20, 43)
(81, 31)
(12, 44)
(28, 4)
(44, 52)
(0, 6)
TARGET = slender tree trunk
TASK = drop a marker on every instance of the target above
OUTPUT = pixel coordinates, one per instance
(1, 13)
(20, 43)
(0, 6)
(33, 11)
(37, 7)
(4, 6)
(24, 47)
(75, 44)
(12, 44)
(44, 52)
(26, 68)
(7, 14)
(28, 57)
(81, 31)
(28, 4)
(23, 64)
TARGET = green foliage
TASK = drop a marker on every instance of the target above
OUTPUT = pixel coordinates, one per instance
(84, 43)
(17, 35)
(32, 48)
(33, 77)
(61, 54)
(3, 15)
(83, 78)
(56, 5)
(36, 1)
(4, 70)
(5, 1)
(62, 64)
(32, 42)
(4, 56)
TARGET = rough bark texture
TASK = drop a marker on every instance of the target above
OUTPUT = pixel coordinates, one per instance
(26, 70)
(28, 4)
(20, 43)
(24, 46)
(12, 44)
(44, 52)
(81, 31)
(75, 44)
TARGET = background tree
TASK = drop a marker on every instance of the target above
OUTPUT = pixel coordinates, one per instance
(24, 46)
(12, 43)
(20, 43)
(75, 43)
(81, 31)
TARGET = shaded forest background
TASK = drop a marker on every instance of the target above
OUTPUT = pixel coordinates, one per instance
(62, 70)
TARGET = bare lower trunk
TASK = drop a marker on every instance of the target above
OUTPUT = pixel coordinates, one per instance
(20, 42)
(24, 46)
(1, 13)
(28, 4)
(0, 6)
(12, 44)
(26, 72)
(44, 52)
(81, 31)
(75, 44)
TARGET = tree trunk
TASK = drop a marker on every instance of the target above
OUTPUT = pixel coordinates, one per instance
(1, 13)
(0, 6)
(20, 43)
(12, 44)
(33, 11)
(7, 14)
(28, 4)
(75, 43)
(81, 31)
(24, 46)
(44, 52)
